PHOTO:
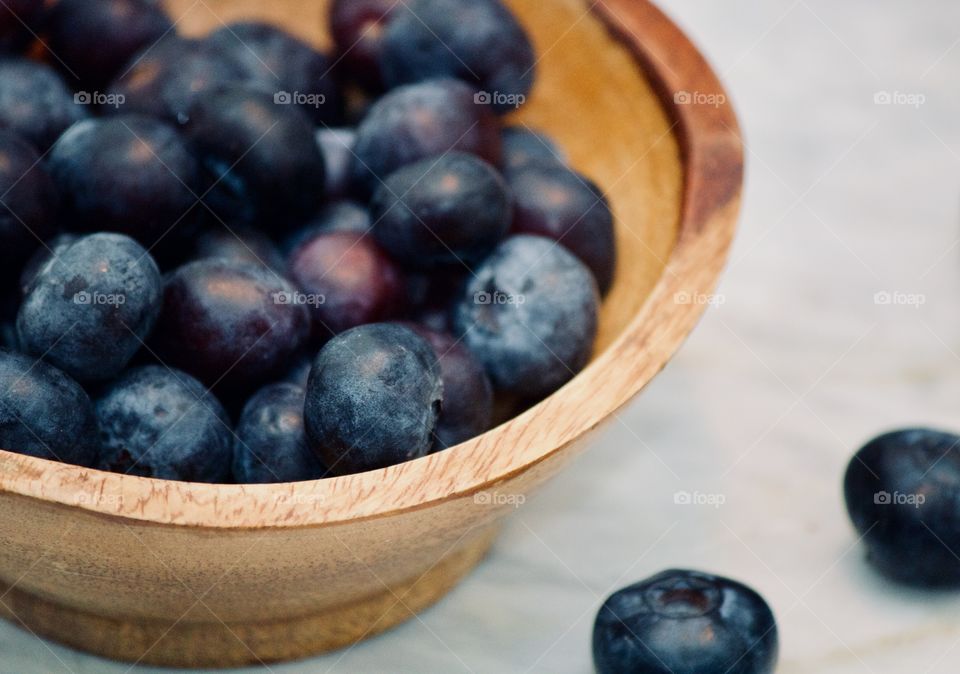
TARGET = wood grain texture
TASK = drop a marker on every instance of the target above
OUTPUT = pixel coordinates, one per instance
(109, 562)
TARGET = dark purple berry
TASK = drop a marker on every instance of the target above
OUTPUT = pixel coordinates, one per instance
(358, 27)
(35, 102)
(477, 41)
(522, 146)
(44, 413)
(902, 490)
(373, 399)
(128, 173)
(420, 121)
(284, 66)
(347, 280)
(452, 210)
(28, 202)
(162, 423)
(271, 444)
(336, 145)
(530, 316)
(685, 622)
(94, 39)
(556, 202)
(467, 392)
(230, 324)
(164, 80)
(261, 159)
(90, 307)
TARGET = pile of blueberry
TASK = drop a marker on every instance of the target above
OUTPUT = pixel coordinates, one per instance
(239, 259)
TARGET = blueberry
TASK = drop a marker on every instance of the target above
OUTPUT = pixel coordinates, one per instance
(902, 490)
(420, 121)
(556, 202)
(278, 63)
(261, 159)
(358, 28)
(129, 173)
(164, 80)
(336, 145)
(685, 622)
(89, 309)
(373, 398)
(467, 392)
(240, 244)
(229, 323)
(522, 146)
(271, 444)
(530, 315)
(339, 216)
(347, 280)
(50, 249)
(452, 210)
(28, 207)
(44, 413)
(161, 423)
(478, 41)
(35, 102)
(94, 39)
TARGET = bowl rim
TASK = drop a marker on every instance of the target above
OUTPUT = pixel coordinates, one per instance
(712, 160)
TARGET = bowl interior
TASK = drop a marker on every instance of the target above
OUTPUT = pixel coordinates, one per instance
(589, 95)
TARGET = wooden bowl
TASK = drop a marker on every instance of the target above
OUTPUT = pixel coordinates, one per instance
(215, 575)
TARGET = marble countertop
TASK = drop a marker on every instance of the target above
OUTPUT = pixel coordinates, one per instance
(803, 361)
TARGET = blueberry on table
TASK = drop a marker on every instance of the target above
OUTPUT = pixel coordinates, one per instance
(270, 443)
(373, 398)
(128, 173)
(28, 208)
(529, 314)
(347, 280)
(35, 102)
(280, 64)
(902, 490)
(478, 41)
(358, 28)
(419, 121)
(238, 244)
(94, 39)
(230, 324)
(164, 80)
(162, 423)
(444, 211)
(467, 392)
(336, 145)
(522, 146)
(44, 413)
(554, 201)
(261, 160)
(338, 216)
(89, 309)
(685, 622)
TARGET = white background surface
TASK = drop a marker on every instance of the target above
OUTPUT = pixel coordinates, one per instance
(776, 388)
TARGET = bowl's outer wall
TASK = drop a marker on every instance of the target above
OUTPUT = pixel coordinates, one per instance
(156, 555)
